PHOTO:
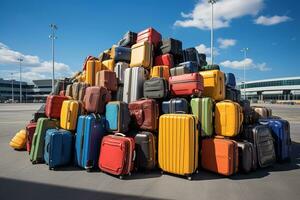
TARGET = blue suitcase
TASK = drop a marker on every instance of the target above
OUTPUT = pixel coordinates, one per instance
(281, 134)
(230, 80)
(176, 105)
(117, 117)
(121, 54)
(58, 147)
(192, 66)
(90, 130)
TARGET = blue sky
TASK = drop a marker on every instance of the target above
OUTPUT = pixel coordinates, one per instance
(270, 29)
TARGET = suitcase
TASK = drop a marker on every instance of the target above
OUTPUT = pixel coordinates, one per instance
(128, 39)
(78, 91)
(150, 35)
(117, 154)
(175, 105)
(171, 46)
(228, 118)
(58, 148)
(19, 140)
(117, 116)
(232, 94)
(156, 88)
(133, 84)
(69, 91)
(214, 84)
(220, 155)
(120, 54)
(202, 58)
(39, 113)
(250, 116)
(61, 85)
(90, 130)
(145, 147)
(178, 144)
(191, 54)
(108, 65)
(186, 85)
(141, 55)
(210, 67)
(120, 71)
(107, 79)
(282, 139)
(230, 80)
(38, 141)
(118, 95)
(203, 109)
(262, 112)
(161, 71)
(165, 59)
(30, 129)
(53, 106)
(261, 137)
(95, 99)
(62, 93)
(247, 156)
(104, 56)
(92, 67)
(184, 68)
(70, 111)
(144, 114)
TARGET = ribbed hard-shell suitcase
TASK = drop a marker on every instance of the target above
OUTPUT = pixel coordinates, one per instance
(90, 130)
(117, 155)
(228, 118)
(230, 80)
(141, 55)
(191, 54)
(161, 71)
(92, 67)
(69, 91)
(120, 54)
(128, 39)
(175, 105)
(150, 35)
(133, 84)
(184, 68)
(70, 111)
(30, 129)
(53, 106)
(108, 65)
(250, 116)
(19, 140)
(171, 46)
(178, 146)
(95, 99)
(58, 148)
(120, 71)
(202, 58)
(214, 84)
(118, 95)
(232, 94)
(220, 155)
(156, 88)
(165, 59)
(78, 91)
(262, 112)
(247, 156)
(39, 113)
(107, 79)
(203, 109)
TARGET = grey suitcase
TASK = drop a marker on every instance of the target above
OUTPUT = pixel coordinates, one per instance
(247, 156)
(180, 70)
(78, 91)
(156, 88)
(120, 71)
(118, 95)
(133, 84)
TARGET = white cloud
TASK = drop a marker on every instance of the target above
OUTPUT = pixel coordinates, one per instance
(225, 12)
(201, 48)
(247, 63)
(225, 43)
(269, 21)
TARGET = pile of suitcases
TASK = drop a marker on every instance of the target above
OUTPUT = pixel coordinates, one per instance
(147, 103)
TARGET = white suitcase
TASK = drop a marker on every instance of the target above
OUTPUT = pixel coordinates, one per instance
(133, 84)
(120, 71)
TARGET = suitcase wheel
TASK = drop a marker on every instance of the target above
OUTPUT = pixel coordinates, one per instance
(162, 172)
(121, 177)
(52, 168)
(89, 170)
(189, 177)
(34, 162)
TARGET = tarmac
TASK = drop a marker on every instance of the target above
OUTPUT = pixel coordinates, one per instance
(19, 179)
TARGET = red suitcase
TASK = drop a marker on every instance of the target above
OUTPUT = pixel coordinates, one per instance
(62, 93)
(150, 35)
(53, 105)
(30, 129)
(117, 154)
(166, 59)
(186, 84)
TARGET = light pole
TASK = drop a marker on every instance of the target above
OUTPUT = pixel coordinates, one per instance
(12, 88)
(245, 50)
(20, 61)
(212, 2)
(53, 37)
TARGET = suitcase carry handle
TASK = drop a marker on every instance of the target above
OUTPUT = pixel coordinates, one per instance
(48, 146)
(120, 134)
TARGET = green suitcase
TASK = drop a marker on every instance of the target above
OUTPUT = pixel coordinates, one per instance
(210, 67)
(203, 109)
(38, 141)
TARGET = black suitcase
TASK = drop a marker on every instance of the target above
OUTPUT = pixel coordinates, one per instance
(175, 105)
(171, 46)
(40, 113)
(128, 39)
(247, 156)
(250, 116)
(232, 94)
(191, 54)
(118, 95)
(202, 59)
(156, 88)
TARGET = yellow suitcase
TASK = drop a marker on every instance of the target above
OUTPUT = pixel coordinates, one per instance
(214, 84)
(92, 67)
(19, 140)
(161, 71)
(70, 111)
(228, 118)
(178, 144)
(141, 55)
(108, 65)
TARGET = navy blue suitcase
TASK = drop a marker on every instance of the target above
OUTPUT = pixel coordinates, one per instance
(230, 80)
(58, 147)
(281, 134)
(191, 65)
(121, 54)
(90, 130)
(176, 105)
(191, 54)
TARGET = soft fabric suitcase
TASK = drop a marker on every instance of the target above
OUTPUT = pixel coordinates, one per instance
(58, 148)
(220, 155)
(144, 114)
(171, 46)
(261, 137)
(107, 79)
(118, 95)
(117, 116)
(150, 35)
(214, 84)
(228, 118)
(53, 106)
(160, 71)
(95, 99)
(178, 148)
(230, 80)
(141, 55)
(203, 109)
(38, 141)
(78, 91)
(108, 65)
(175, 105)
(156, 88)
(90, 130)
(247, 156)
(185, 68)
(40, 113)
(30, 129)
(145, 147)
(128, 39)
(92, 67)
(210, 67)
(120, 54)
(232, 94)
(262, 112)
(117, 154)
(165, 59)
(120, 71)
(19, 140)
(191, 54)
(70, 111)
(186, 85)
(133, 84)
